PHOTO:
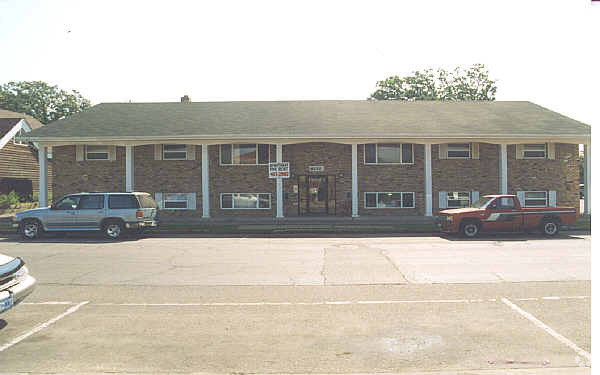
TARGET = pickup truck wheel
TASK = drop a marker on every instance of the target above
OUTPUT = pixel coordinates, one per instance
(31, 229)
(469, 229)
(550, 227)
(112, 229)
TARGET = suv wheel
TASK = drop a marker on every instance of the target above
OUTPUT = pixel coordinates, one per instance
(31, 229)
(112, 229)
(470, 229)
(550, 227)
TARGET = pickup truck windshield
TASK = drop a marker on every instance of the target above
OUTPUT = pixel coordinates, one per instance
(482, 202)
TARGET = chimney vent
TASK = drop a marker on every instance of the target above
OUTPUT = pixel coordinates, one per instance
(185, 99)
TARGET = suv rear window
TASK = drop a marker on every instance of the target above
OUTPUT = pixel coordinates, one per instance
(146, 201)
(122, 201)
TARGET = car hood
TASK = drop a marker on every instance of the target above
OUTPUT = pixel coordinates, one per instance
(33, 211)
(5, 259)
(455, 211)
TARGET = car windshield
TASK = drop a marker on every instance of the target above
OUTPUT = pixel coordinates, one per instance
(482, 202)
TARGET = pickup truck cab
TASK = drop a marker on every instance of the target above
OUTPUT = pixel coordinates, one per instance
(503, 213)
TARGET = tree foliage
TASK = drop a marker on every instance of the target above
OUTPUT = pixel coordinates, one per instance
(40, 100)
(460, 84)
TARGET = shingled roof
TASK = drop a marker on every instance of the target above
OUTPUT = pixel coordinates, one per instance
(203, 121)
(33, 122)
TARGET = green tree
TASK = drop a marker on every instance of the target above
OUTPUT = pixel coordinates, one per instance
(40, 100)
(460, 84)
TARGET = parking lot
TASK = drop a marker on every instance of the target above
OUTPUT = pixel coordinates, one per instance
(303, 304)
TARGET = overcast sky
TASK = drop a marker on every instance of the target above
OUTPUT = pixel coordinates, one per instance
(110, 51)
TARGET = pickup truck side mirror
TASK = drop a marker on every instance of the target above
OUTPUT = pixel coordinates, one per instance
(52, 206)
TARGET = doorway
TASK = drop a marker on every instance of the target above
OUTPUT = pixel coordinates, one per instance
(316, 195)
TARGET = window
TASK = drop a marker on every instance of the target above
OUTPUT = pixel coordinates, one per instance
(91, 202)
(534, 151)
(18, 142)
(389, 153)
(68, 203)
(536, 199)
(175, 201)
(458, 199)
(506, 203)
(389, 200)
(459, 150)
(124, 201)
(96, 152)
(245, 154)
(174, 152)
(241, 201)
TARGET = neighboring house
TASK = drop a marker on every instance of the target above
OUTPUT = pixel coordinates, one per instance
(19, 169)
(347, 158)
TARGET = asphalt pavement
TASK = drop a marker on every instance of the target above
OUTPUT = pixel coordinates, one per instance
(302, 304)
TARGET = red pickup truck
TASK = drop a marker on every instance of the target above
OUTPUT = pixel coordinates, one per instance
(503, 213)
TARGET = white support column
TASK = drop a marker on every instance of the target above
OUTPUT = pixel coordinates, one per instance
(205, 184)
(428, 184)
(503, 170)
(279, 155)
(43, 188)
(129, 168)
(587, 183)
(354, 180)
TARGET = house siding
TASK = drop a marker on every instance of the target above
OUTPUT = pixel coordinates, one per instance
(21, 162)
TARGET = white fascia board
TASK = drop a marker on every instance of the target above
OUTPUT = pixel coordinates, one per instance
(12, 132)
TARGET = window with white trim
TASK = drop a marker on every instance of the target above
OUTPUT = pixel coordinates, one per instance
(19, 143)
(96, 152)
(536, 198)
(534, 151)
(389, 200)
(175, 152)
(245, 154)
(175, 201)
(245, 201)
(458, 199)
(459, 150)
(388, 153)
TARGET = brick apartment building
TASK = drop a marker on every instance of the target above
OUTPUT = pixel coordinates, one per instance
(346, 158)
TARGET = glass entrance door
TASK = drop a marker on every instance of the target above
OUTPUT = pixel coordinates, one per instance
(316, 195)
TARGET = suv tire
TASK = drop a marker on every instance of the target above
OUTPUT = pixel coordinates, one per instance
(112, 229)
(31, 229)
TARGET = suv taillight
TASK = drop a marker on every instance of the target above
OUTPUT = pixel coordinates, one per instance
(139, 213)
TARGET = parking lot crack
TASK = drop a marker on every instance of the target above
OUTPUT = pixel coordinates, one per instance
(323, 274)
(384, 254)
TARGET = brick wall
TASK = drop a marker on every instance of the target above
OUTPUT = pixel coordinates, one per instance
(480, 175)
(392, 178)
(72, 176)
(560, 174)
(185, 176)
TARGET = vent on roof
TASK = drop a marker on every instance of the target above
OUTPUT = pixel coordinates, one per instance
(185, 99)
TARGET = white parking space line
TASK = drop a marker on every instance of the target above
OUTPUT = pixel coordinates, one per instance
(549, 330)
(40, 327)
(49, 303)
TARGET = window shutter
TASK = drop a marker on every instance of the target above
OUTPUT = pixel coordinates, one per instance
(442, 201)
(474, 150)
(112, 153)
(551, 151)
(191, 201)
(552, 198)
(474, 196)
(79, 152)
(520, 149)
(157, 152)
(443, 151)
(159, 200)
(521, 197)
(191, 152)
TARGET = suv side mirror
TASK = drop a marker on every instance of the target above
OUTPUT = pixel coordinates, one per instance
(52, 206)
